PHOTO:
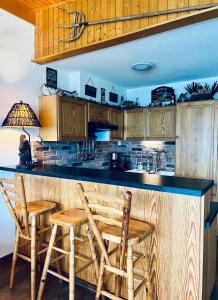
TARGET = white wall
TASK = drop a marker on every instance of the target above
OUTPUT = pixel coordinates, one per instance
(144, 94)
(78, 80)
(19, 80)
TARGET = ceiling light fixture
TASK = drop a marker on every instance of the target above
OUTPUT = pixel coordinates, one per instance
(142, 66)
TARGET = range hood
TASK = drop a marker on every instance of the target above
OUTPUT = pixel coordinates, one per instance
(94, 127)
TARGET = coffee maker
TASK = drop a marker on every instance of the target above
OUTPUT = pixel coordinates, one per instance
(115, 161)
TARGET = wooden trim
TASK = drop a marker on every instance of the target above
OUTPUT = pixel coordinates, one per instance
(155, 29)
(18, 9)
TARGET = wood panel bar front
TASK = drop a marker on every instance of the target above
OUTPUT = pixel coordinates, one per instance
(176, 244)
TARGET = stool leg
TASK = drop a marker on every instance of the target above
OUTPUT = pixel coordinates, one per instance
(14, 259)
(100, 278)
(92, 249)
(38, 244)
(33, 257)
(47, 261)
(148, 285)
(130, 276)
(72, 265)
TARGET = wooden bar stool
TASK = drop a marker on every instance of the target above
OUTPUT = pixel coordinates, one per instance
(25, 215)
(121, 230)
(72, 219)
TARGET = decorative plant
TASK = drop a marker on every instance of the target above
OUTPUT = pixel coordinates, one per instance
(214, 88)
(196, 88)
(130, 104)
(192, 88)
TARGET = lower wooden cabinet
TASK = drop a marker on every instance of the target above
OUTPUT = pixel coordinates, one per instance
(62, 119)
(134, 124)
(117, 118)
(161, 123)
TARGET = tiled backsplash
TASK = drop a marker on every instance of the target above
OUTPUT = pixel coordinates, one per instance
(145, 153)
(72, 153)
(75, 153)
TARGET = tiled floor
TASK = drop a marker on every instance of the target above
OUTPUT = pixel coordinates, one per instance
(54, 290)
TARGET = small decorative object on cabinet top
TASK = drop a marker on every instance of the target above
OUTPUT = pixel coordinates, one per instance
(183, 97)
(201, 92)
(128, 104)
(47, 91)
(162, 96)
(90, 90)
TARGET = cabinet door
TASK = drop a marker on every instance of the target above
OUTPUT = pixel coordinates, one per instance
(98, 113)
(161, 123)
(117, 118)
(195, 144)
(48, 117)
(134, 124)
(72, 120)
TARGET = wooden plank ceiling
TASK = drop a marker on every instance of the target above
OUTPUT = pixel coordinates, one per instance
(35, 4)
(25, 9)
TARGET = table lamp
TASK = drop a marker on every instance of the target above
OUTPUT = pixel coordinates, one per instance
(22, 116)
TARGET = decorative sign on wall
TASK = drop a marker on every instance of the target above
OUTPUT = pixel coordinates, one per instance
(51, 78)
(103, 95)
(162, 96)
(113, 96)
(90, 90)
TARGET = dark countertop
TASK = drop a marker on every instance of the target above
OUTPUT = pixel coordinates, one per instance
(169, 184)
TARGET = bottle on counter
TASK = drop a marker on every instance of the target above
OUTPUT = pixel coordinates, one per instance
(139, 166)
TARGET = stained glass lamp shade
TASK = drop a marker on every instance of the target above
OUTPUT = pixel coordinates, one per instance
(21, 115)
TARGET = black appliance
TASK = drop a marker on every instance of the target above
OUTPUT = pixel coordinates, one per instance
(118, 162)
(115, 161)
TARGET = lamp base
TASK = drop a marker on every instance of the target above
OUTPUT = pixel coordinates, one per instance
(24, 154)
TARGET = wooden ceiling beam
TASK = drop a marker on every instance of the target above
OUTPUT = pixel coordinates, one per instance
(18, 9)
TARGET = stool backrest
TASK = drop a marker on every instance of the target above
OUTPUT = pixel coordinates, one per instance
(114, 211)
(13, 193)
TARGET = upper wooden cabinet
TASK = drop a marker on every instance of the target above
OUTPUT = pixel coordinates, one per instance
(134, 124)
(161, 123)
(98, 113)
(62, 119)
(117, 118)
(196, 144)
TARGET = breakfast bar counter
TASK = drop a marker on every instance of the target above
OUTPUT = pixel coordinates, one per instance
(169, 184)
(183, 242)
